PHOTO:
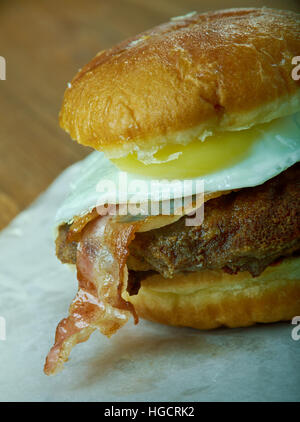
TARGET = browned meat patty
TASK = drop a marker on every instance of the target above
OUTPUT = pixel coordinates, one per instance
(245, 230)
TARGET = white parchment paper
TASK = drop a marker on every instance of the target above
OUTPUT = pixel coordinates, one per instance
(147, 362)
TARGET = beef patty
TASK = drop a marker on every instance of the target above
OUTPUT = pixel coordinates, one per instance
(246, 230)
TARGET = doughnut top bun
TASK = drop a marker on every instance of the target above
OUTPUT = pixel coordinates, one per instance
(193, 76)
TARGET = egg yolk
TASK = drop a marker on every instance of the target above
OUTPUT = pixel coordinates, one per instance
(196, 159)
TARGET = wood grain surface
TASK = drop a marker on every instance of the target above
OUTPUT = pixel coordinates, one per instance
(44, 43)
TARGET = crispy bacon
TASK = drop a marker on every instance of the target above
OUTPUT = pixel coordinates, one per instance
(102, 278)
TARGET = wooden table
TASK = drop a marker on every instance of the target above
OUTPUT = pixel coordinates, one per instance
(44, 42)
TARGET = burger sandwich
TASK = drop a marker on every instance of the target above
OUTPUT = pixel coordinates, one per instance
(188, 212)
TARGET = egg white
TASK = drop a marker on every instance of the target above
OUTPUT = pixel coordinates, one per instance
(275, 151)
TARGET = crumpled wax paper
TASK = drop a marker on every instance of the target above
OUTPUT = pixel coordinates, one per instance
(147, 362)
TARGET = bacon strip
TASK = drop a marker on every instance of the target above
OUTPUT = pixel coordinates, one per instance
(102, 278)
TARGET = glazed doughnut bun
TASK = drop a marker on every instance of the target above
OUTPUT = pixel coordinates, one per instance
(197, 74)
(209, 299)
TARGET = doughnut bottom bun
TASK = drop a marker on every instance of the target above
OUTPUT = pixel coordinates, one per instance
(210, 299)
